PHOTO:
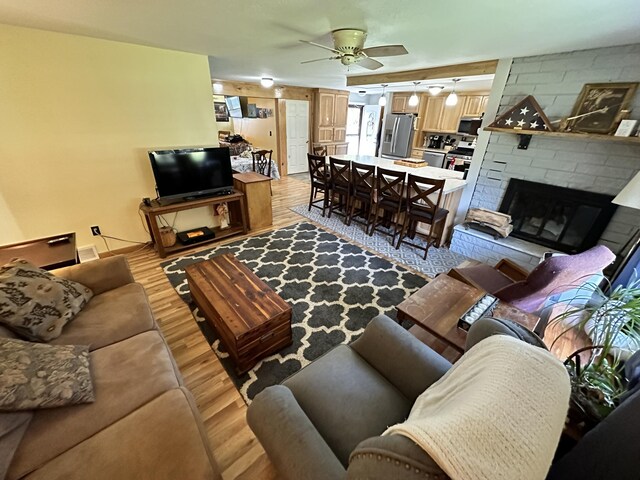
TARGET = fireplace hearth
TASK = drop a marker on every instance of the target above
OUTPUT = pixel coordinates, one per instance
(562, 218)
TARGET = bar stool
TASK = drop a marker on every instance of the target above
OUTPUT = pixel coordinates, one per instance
(420, 208)
(262, 162)
(390, 198)
(362, 190)
(319, 181)
(340, 179)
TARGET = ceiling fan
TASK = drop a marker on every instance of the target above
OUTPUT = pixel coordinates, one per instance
(348, 46)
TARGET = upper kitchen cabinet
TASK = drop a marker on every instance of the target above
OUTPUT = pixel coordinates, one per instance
(433, 114)
(326, 108)
(451, 116)
(441, 118)
(474, 105)
(341, 109)
(400, 104)
(330, 115)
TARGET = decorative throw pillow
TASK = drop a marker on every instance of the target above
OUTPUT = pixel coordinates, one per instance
(37, 375)
(36, 304)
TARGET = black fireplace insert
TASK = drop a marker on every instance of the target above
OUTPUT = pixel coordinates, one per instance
(562, 218)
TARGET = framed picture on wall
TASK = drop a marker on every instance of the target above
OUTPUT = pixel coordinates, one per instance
(222, 114)
(599, 106)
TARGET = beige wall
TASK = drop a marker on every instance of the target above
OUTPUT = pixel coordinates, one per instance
(260, 132)
(78, 116)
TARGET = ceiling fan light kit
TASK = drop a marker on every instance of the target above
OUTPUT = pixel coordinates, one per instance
(266, 82)
(452, 99)
(348, 47)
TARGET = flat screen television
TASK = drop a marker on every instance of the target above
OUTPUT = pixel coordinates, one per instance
(193, 172)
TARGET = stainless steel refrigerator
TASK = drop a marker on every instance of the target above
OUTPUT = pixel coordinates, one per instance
(397, 136)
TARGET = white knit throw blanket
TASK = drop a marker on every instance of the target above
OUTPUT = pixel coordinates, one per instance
(497, 414)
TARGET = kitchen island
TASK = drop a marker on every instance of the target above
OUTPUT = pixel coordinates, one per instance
(453, 185)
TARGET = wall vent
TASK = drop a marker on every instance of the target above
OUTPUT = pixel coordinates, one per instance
(88, 253)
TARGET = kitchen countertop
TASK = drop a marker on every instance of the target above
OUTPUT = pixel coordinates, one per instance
(453, 179)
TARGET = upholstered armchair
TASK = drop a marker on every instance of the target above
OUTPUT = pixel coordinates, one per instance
(325, 421)
(528, 292)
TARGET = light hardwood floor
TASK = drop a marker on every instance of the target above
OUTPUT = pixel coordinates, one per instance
(234, 446)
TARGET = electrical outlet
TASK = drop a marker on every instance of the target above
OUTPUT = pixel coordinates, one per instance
(95, 230)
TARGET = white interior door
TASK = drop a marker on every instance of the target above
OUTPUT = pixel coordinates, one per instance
(297, 135)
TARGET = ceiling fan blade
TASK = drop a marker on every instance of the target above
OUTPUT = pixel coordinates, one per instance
(385, 51)
(320, 59)
(322, 46)
(370, 63)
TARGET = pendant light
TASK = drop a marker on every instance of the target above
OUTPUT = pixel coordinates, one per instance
(434, 90)
(413, 99)
(382, 101)
(452, 99)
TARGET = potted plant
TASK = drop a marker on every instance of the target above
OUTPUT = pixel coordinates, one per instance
(612, 322)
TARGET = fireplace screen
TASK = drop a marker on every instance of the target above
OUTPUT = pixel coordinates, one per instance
(561, 218)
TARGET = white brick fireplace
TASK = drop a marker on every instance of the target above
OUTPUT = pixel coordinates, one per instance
(603, 167)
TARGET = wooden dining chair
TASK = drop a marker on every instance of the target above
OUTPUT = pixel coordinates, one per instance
(390, 199)
(319, 181)
(363, 191)
(421, 208)
(262, 162)
(340, 178)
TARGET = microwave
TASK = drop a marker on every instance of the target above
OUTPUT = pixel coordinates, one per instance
(469, 125)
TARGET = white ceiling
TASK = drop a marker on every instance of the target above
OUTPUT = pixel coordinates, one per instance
(249, 39)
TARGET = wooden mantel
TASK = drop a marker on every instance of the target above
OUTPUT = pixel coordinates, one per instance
(462, 70)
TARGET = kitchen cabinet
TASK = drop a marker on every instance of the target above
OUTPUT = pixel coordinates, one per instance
(415, 153)
(330, 115)
(400, 103)
(326, 109)
(451, 117)
(441, 118)
(433, 114)
(334, 148)
(474, 105)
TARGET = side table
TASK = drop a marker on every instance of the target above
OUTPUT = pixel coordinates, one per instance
(438, 306)
(42, 254)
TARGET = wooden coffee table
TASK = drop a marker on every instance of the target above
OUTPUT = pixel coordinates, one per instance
(438, 306)
(250, 318)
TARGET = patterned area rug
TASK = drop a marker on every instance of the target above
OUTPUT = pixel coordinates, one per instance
(439, 260)
(334, 287)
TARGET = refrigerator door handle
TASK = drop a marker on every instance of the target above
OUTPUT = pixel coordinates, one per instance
(394, 134)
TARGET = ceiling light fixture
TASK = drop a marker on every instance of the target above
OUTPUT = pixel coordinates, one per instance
(435, 89)
(266, 82)
(452, 99)
(413, 99)
(217, 87)
(382, 101)
(362, 93)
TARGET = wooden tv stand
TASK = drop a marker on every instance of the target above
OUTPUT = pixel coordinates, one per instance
(237, 219)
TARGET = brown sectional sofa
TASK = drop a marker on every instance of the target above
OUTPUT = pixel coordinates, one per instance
(144, 423)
